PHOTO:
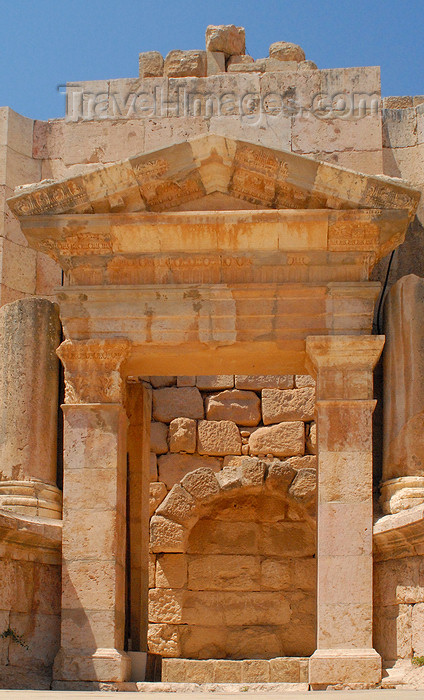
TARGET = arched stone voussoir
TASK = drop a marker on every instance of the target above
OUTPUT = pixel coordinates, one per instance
(167, 535)
(202, 484)
(179, 506)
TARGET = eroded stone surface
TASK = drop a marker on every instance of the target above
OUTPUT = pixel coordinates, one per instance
(175, 402)
(218, 438)
(242, 407)
(182, 435)
(226, 38)
(281, 440)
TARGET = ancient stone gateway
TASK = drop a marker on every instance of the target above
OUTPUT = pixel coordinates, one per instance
(213, 256)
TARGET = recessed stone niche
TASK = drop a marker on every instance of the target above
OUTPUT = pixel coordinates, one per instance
(232, 564)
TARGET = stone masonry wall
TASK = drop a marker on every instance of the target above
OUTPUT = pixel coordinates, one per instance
(399, 608)
(30, 586)
(244, 586)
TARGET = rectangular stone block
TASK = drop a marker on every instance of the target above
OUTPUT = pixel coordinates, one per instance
(344, 528)
(286, 539)
(255, 671)
(288, 670)
(171, 571)
(345, 426)
(257, 382)
(218, 438)
(209, 383)
(218, 537)
(288, 405)
(227, 671)
(281, 440)
(344, 476)
(221, 572)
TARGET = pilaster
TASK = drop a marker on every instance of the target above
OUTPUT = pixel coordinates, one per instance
(94, 514)
(343, 367)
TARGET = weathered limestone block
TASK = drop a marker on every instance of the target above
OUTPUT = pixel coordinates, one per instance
(311, 439)
(221, 537)
(29, 379)
(164, 640)
(180, 506)
(229, 477)
(218, 438)
(287, 405)
(239, 60)
(286, 539)
(228, 38)
(215, 62)
(186, 381)
(223, 573)
(159, 381)
(150, 64)
(174, 402)
(304, 486)
(156, 495)
(166, 605)
(289, 670)
(307, 65)
(281, 440)
(280, 475)
(166, 535)
(256, 382)
(255, 671)
(182, 64)
(242, 407)
(418, 629)
(252, 472)
(201, 484)
(182, 435)
(220, 381)
(286, 51)
(403, 452)
(158, 438)
(173, 467)
(302, 380)
(171, 571)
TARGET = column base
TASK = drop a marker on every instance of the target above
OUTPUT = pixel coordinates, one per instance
(401, 493)
(31, 498)
(347, 667)
(105, 665)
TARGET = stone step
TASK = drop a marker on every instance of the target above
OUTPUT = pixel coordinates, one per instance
(229, 688)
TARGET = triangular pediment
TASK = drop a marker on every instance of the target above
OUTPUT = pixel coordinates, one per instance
(212, 173)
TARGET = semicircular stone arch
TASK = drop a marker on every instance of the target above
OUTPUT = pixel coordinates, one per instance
(235, 569)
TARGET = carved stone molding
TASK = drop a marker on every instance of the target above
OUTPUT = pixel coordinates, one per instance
(92, 370)
(343, 365)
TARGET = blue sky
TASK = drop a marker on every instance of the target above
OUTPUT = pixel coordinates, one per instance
(44, 43)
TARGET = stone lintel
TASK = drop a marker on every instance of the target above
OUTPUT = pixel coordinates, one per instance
(299, 232)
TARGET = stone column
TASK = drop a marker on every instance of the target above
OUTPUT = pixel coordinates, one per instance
(94, 515)
(343, 367)
(403, 454)
(29, 380)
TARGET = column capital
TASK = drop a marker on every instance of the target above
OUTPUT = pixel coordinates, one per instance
(92, 369)
(343, 364)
